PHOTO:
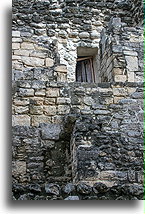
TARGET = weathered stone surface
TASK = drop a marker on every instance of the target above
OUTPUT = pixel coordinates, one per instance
(69, 188)
(33, 61)
(52, 92)
(50, 110)
(132, 63)
(37, 119)
(50, 131)
(52, 189)
(15, 33)
(49, 62)
(72, 198)
(15, 46)
(84, 189)
(27, 45)
(68, 131)
(84, 35)
(20, 120)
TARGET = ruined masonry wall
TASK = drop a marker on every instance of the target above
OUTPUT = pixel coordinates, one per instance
(77, 141)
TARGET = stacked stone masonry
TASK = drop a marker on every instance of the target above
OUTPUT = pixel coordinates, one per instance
(76, 140)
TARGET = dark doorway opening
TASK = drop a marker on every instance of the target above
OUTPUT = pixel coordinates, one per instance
(85, 69)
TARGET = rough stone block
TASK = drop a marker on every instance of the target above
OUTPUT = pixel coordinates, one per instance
(50, 131)
(84, 35)
(40, 92)
(27, 46)
(118, 71)
(49, 62)
(15, 33)
(130, 76)
(63, 100)
(61, 77)
(19, 168)
(50, 110)
(26, 92)
(15, 46)
(52, 92)
(132, 63)
(20, 120)
(119, 92)
(22, 52)
(21, 109)
(21, 102)
(37, 101)
(116, 99)
(49, 101)
(37, 119)
(33, 61)
(120, 78)
(40, 54)
(36, 109)
(61, 68)
(63, 109)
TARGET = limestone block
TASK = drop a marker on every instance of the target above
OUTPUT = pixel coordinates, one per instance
(49, 101)
(103, 112)
(130, 53)
(19, 168)
(50, 110)
(49, 62)
(63, 109)
(15, 46)
(36, 109)
(21, 102)
(132, 63)
(37, 119)
(37, 101)
(40, 92)
(116, 99)
(119, 92)
(61, 77)
(26, 92)
(84, 35)
(131, 76)
(22, 52)
(120, 78)
(20, 120)
(33, 61)
(17, 65)
(50, 131)
(62, 100)
(21, 109)
(61, 68)
(89, 101)
(15, 33)
(40, 54)
(118, 71)
(27, 45)
(16, 40)
(14, 57)
(52, 92)
(37, 84)
(95, 34)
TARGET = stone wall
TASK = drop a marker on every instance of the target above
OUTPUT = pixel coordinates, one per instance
(77, 141)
